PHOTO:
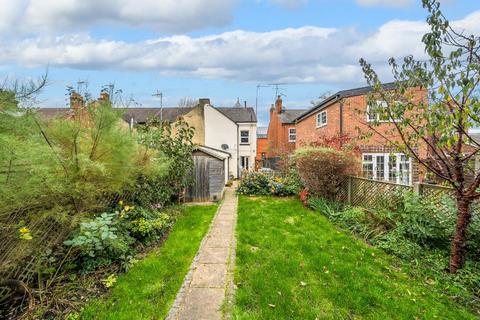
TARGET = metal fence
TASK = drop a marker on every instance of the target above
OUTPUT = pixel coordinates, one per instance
(362, 192)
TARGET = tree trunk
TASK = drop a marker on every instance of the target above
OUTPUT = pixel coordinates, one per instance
(464, 216)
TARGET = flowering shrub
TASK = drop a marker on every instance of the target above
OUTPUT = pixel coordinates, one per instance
(261, 184)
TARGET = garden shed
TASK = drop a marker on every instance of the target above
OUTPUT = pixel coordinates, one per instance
(210, 167)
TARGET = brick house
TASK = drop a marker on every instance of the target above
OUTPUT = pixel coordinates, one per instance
(346, 114)
(262, 145)
(281, 134)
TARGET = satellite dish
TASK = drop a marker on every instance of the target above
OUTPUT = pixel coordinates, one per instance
(224, 146)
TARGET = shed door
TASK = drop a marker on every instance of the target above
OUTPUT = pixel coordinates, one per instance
(200, 188)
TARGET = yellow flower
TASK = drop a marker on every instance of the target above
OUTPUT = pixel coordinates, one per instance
(120, 202)
(24, 230)
(126, 208)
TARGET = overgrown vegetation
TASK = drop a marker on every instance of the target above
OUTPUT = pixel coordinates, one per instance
(418, 233)
(80, 193)
(294, 264)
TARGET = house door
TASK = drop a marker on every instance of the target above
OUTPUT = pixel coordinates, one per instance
(244, 163)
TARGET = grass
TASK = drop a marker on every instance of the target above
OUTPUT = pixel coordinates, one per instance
(148, 289)
(293, 263)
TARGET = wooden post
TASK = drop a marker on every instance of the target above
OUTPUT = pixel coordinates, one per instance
(418, 188)
(349, 190)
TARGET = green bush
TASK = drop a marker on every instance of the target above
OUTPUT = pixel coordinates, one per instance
(323, 169)
(148, 225)
(261, 184)
(174, 142)
(101, 240)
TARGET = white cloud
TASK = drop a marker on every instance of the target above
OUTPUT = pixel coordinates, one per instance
(172, 16)
(385, 3)
(307, 54)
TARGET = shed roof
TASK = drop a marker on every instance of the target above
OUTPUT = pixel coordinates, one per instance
(219, 154)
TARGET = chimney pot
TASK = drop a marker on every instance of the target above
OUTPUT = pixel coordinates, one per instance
(245, 104)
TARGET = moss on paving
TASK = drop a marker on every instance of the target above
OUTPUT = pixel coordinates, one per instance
(148, 289)
(293, 263)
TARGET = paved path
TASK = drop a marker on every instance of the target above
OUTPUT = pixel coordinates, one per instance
(209, 283)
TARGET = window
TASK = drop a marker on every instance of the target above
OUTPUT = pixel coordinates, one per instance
(244, 137)
(376, 112)
(244, 163)
(367, 166)
(321, 119)
(292, 135)
(264, 155)
(392, 167)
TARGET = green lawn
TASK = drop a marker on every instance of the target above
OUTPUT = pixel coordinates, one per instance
(149, 288)
(293, 263)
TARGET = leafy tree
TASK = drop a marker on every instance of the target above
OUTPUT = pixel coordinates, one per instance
(452, 75)
(174, 141)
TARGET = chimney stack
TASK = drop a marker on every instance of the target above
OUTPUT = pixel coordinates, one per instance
(104, 97)
(278, 105)
(245, 104)
(76, 102)
(203, 101)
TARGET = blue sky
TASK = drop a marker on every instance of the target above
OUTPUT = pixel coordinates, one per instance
(209, 48)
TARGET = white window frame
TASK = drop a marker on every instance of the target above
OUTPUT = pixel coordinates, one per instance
(383, 104)
(319, 119)
(386, 167)
(243, 137)
(290, 134)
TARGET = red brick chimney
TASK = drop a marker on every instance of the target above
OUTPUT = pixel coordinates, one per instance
(278, 105)
(203, 101)
(76, 102)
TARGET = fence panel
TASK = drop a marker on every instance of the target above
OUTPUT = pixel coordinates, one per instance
(362, 192)
(371, 193)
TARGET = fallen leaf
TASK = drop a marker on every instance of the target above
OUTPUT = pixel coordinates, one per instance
(271, 305)
(303, 284)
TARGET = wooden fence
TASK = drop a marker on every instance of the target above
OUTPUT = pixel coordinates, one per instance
(368, 193)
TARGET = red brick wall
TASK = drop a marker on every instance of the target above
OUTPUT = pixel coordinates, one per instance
(354, 125)
(307, 131)
(278, 133)
(262, 146)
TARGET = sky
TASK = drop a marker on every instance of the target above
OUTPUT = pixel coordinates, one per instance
(218, 49)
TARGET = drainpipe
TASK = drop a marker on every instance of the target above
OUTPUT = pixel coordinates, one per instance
(238, 150)
(341, 123)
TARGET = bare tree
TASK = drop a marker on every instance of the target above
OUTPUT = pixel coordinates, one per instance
(187, 102)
